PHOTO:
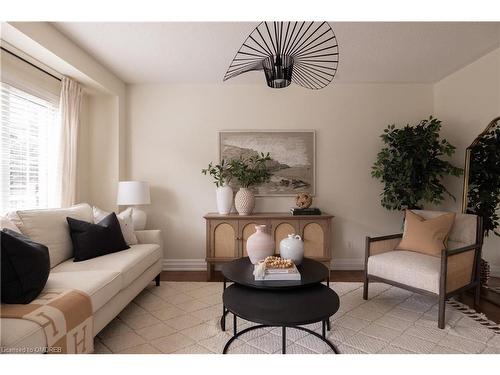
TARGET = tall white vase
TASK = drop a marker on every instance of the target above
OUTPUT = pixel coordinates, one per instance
(244, 201)
(260, 245)
(224, 199)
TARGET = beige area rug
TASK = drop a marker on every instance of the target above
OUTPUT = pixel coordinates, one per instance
(183, 317)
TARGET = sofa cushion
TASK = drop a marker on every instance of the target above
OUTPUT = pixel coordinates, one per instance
(25, 267)
(100, 285)
(130, 263)
(94, 240)
(50, 228)
(407, 267)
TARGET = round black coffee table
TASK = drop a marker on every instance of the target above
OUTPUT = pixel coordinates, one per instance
(240, 271)
(285, 304)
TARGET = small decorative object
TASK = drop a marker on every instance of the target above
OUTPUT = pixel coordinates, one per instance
(277, 262)
(305, 53)
(292, 163)
(292, 248)
(305, 211)
(248, 171)
(411, 165)
(259, 245)
(303, 200)
(224, 192)
(134, 193)
(276, 268)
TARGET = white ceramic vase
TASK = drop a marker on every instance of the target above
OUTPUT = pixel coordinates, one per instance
(224, 199)
(292, 248)
(244, 201)
(259, 245)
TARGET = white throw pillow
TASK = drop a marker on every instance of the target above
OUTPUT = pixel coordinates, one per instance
(126, 223)
(50, 228)
(6, 223)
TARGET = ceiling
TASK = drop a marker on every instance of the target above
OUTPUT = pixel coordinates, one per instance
(200, 52)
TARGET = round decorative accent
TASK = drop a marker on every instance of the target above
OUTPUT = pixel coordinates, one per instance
(303, 200)
(244, 201)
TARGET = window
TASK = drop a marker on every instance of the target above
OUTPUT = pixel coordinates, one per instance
(29, 144)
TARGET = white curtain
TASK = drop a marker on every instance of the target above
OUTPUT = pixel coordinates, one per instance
(70, 104)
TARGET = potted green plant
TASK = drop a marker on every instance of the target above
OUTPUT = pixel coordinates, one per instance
(412, 164)
(483, 191)
(249, 171)
(224, 192)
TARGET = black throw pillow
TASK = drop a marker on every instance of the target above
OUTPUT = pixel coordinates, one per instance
(25, 267)
(93, 240)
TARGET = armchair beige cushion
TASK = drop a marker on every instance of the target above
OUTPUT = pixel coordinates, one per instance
(408, 268)
(428, 236)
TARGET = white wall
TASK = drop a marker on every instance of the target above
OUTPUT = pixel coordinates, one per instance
(466, 101)
(172, 135)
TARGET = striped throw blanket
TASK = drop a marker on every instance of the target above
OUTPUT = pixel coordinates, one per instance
(65, 316)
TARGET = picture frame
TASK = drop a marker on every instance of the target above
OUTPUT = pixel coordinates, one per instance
(293, 154)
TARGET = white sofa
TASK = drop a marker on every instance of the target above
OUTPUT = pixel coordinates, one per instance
(111, 281)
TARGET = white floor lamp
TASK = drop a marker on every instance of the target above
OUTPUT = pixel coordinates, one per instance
(134, 193)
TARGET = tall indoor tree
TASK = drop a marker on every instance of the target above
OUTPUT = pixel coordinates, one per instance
(412, 164)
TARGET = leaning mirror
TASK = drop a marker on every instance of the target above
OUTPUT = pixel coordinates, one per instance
(481, 193)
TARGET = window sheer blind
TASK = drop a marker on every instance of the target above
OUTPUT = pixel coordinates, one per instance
(29, 141)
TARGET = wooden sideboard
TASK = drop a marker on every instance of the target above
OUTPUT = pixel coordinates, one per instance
(226, 235)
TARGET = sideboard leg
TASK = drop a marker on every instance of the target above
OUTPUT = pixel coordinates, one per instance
(323, 328)
(209, 271)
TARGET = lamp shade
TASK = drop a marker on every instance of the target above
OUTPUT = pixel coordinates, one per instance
(133, 192)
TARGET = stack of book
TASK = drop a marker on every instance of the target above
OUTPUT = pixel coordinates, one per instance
(278, 274)
(305, 211)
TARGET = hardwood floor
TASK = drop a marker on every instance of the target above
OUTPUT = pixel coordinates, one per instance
(489, 304)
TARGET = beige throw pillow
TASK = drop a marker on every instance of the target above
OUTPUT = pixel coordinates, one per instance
(426, 236)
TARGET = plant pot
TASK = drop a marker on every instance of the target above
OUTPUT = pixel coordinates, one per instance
(259, 245)
(244, 201)
(292, 248)
(224, 199)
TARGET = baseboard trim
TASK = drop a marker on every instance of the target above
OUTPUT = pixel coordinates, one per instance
(348, 264)
(494, 270)
(184, 265)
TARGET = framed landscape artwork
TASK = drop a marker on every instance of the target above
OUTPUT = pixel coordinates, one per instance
(292, 152)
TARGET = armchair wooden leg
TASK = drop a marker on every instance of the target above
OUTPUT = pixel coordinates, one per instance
(441, 314)
(365, 288)
(157, 280)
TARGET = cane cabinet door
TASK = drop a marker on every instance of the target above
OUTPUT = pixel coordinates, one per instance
(224, 239)
(315, 234)
(281, 229)
(246, 229)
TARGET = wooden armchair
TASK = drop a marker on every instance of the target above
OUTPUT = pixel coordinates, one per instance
(456, 271)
